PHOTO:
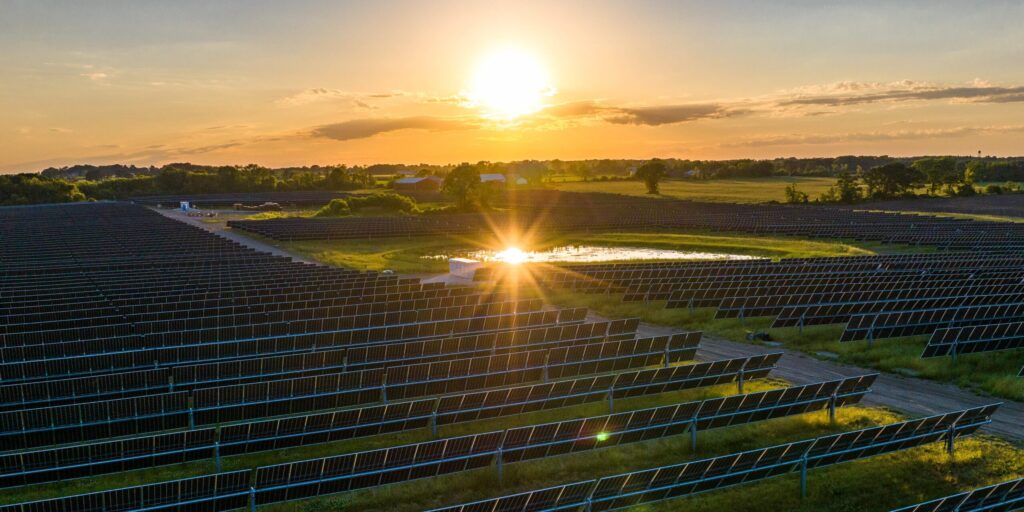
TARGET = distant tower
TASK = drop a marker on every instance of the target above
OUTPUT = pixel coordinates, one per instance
(979, 153)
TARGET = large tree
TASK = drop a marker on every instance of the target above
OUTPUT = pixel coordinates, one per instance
(463, 186)
(891, 180)
(651, 173)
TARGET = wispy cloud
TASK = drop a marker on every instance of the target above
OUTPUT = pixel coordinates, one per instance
(321, 94)
(671, 114)
(879, 136)
(860, 93)
(363, 128)
(95, 76)
(653, 115)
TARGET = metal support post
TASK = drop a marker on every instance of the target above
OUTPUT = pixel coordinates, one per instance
(803, 477)
(191, 414)
(252, 499)
(693, 435)
(433, 418)
(668, 354)
(611, 399)
(547, 358)
(739, 380)
(950, 441)
(832, 409)
(499, 465)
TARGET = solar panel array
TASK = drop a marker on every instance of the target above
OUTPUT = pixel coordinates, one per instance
(541, 211)
(297, 480)
(130, 340)
(1001, 497)
(204, 443)
(966, 302)
(652, 485)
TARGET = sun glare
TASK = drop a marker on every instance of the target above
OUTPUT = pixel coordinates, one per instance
(509, 84)
(513, 255)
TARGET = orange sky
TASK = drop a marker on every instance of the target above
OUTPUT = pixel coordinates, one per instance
(318, 82)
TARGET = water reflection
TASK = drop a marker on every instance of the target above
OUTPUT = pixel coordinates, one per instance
(590, 254)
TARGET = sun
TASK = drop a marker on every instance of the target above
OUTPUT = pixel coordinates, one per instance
(512, 255)
(509, 83)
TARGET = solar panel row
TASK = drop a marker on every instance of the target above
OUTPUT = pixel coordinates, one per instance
(103, 419)
(205, 443)
(226, 491)
(652, 485)
(56, 391)
(1001, 497)
(348, 472)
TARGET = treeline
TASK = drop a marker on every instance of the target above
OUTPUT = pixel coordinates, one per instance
(947, 175)
(87, 182)
(63, 186)
(536, 171)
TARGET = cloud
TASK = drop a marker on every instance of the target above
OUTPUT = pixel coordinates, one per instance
(842, 138)
(313, 95)
(319, 94)
(95, 76)
(859, 93)
(653, 115)
(363, 128)
(670, 114)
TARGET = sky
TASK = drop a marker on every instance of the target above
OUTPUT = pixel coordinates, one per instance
(149, 82)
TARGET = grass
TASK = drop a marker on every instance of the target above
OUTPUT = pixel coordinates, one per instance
(993, 373)
(750, 190)
(406, 255)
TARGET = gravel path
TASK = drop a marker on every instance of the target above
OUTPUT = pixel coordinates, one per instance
(915, 397)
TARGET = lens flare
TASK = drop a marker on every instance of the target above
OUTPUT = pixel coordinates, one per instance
(512, 255)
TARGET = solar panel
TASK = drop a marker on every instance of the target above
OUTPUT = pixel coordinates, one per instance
(376, 467)
(979, 338)
(651, 485)
(1001, 497)
(217, 492)
(150, 451)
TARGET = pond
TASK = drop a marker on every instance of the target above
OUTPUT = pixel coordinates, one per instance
(590, 254)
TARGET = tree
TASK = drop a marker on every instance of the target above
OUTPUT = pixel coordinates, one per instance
(891, 180)
(651, 173)
(463, 186)
(846, 189)
(794, 196)
(938, 173)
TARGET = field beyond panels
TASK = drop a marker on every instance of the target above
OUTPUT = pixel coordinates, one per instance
(752, 190)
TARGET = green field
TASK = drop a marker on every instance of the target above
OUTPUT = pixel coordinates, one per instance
(751, 190)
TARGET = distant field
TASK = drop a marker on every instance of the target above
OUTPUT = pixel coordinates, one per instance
(759, 190)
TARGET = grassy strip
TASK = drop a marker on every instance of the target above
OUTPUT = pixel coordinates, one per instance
(144, 476)
(993, 373)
